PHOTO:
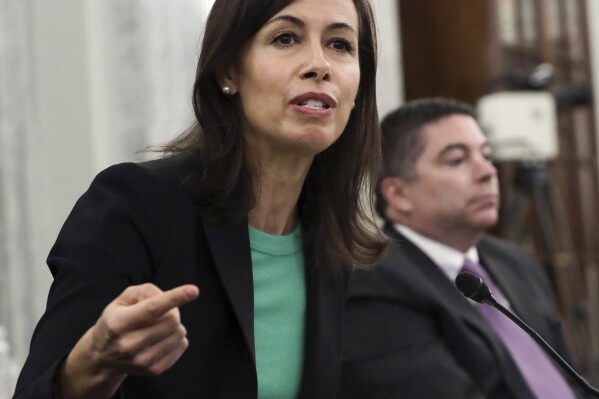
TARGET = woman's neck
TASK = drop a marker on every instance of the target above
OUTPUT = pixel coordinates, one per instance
(278, 187)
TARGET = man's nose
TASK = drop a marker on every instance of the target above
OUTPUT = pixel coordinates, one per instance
(485, 169)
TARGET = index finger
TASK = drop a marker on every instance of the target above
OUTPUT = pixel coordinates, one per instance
(154, 307)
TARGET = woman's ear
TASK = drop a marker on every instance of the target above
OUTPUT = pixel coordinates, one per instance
(226, 78)
(395, 191)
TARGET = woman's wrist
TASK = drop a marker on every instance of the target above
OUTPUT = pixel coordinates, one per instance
(83, 376)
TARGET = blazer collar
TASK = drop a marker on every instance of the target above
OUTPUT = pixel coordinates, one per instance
(230, 250)
(507, 277)
(444, 289)
(454, 302)
(502, 275)
(325, 300)
(324, 308)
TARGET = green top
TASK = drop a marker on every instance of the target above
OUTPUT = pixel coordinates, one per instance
(279, 312)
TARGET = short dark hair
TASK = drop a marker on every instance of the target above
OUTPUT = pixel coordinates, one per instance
(401, 129)
(337, 223)
(402, 140)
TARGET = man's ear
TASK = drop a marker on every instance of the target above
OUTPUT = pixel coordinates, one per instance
(227, 77)
(395, 191)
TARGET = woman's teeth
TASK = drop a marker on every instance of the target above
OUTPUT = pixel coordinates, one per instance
(313, 104)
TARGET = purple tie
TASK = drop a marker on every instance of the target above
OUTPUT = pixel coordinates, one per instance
(539, 372)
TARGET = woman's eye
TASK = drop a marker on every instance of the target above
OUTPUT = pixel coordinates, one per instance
(284, 39)
(342, 45)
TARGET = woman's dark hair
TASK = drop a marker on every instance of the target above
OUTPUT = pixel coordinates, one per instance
(336, 202)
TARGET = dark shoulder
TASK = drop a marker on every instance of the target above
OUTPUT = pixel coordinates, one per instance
(502, 248)
(152, 188)
(177, 167)
(511, 255)
(395, 274)
(151, 175)
(177, 164)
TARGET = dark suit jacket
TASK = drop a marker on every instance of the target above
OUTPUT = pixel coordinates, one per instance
(409, 333)
(139, 223)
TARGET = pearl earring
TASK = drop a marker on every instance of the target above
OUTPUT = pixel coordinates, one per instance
(353, 105)
(226, 90)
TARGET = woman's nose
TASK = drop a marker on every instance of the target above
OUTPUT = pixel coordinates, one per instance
(317, 66)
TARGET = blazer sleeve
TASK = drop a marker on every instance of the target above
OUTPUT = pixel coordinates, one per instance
(111, 240)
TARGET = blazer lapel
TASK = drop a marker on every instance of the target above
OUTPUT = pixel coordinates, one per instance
(509, 283)
(325, 300)
(230, 250)
(454, 302)
(504, 278)
(513, 286)
(444, 289)
(457, 304)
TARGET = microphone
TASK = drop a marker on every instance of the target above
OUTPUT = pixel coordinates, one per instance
(473, 287)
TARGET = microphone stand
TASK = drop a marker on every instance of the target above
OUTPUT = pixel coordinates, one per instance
(490, 300)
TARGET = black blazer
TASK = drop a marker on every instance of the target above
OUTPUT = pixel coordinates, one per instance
(139, 223)
(409, 333)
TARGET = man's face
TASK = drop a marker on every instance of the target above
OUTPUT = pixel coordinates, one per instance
(456, 188)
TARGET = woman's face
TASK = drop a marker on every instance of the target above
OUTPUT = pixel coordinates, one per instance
(298, 77)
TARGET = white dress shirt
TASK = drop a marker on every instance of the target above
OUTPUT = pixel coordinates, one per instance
(449, 259)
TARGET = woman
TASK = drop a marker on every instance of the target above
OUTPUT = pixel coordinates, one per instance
(257, 207)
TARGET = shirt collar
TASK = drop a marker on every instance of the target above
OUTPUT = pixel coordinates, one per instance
(448, 259)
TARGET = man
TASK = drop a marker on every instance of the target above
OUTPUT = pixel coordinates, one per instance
(409, 333)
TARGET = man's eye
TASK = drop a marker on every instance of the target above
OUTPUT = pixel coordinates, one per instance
(455, 161)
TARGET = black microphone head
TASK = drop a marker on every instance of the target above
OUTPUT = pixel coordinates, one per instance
(473, 287)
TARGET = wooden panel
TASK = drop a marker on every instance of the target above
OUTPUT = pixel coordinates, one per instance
(445, 45)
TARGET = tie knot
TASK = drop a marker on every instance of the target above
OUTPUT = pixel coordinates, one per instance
(476, 269)
(473, 267)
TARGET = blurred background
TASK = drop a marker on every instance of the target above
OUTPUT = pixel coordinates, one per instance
(87, 83)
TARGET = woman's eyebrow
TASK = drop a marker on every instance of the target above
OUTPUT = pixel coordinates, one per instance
(290, 18)
(300, 23)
